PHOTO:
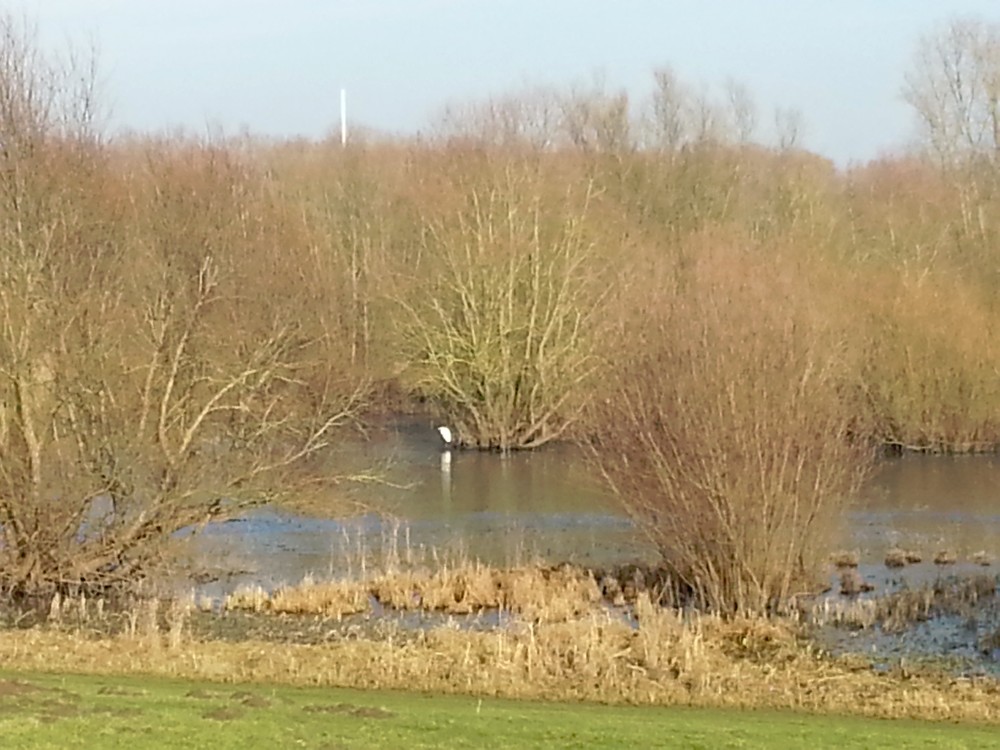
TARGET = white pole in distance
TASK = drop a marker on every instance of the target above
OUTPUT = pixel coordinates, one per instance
(343, 117)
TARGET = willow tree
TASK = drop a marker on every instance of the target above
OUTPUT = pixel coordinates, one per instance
(728, 435)
(500, 327)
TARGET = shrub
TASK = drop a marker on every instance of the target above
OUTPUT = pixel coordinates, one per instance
(499, 327)
(727, 438)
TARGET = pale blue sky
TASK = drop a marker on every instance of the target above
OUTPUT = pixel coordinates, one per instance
(276, 66)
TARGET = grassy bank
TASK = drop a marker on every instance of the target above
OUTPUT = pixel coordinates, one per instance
(64, 710)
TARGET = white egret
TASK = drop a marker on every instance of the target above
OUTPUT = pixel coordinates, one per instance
(446, 435)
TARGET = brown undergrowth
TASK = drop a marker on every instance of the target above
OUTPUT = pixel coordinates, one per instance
(667, 658)
(564, 640)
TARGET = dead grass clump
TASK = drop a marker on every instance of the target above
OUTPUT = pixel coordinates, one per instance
(177, 617)
(335, 599)
(667, 642)
(853, 613)
(331, 599)
(898, 612)
(989, 644)
(845, 558)
(759, 640)
(852, 583)
(537, 593)
(982, 557)
(945, 557)
(460, 590)
(549, 594)
(251, 598)
(972, 590)
(533, 592)
(896, 558)
(625, 583)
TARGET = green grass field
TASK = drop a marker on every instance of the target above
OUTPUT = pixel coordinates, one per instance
(61, 711)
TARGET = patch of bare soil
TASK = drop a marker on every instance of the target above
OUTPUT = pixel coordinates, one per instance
(363, 712)
(251, 700)
(10, 688)
(54, 710)
(120, 691)
(225, 713)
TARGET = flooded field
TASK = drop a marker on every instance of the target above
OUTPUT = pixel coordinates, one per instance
(433, 504)
(931, 503)
(507, 510)
(439, 507)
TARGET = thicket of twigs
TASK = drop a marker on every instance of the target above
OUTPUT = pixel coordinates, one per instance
(184, 323)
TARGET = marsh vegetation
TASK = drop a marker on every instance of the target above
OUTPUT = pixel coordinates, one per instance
(734, 334)
(734, 331)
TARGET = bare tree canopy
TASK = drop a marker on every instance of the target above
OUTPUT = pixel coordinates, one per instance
(955, 89)
(502, 336)
(161, 364)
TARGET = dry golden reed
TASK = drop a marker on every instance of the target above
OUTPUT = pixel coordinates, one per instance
(668, 658)
(535, 593)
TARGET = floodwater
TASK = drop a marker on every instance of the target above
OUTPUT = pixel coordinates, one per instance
(437, 505)
(930, 503)
(430, 504)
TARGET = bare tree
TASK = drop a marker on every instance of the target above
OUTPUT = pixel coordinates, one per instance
(595, 120)
(665, 120)
(500, 325)
(955, 89)
(529, 118)
(678, 115)
(788, 124)
(149, 380)
(742, 111)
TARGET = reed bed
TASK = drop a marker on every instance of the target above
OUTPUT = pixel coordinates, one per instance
(564, 593)
(563, 640)
(667, 658)
(537, 593)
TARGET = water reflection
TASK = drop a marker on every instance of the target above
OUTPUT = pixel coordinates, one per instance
(446, 477)
(423, 482)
